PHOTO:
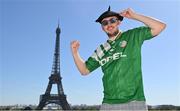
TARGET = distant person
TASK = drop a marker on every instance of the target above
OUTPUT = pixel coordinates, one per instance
(120, 59)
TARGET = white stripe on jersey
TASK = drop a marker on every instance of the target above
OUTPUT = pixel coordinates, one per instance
(106, 46)
(94, 55)
(99, 52)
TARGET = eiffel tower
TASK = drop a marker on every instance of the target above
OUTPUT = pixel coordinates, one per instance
(55, 78)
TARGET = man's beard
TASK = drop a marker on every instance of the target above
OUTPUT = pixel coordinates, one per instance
(114, 34)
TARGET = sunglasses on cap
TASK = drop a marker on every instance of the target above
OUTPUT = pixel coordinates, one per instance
(111, 21)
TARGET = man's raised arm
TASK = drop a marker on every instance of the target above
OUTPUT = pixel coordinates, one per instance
(155, 25)
(77, 59)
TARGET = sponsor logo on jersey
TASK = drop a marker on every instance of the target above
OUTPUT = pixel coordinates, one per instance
(115, 56)
(99, 53)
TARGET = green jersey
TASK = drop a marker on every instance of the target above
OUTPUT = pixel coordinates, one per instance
(120, 61)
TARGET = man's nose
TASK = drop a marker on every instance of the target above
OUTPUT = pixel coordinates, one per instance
(109, 24)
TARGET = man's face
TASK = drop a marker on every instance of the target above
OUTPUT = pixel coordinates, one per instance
(110, 24)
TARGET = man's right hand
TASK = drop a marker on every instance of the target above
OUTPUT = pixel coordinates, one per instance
(75, 46)
(77, 59)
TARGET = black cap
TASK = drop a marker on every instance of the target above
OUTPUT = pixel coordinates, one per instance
(109, 13)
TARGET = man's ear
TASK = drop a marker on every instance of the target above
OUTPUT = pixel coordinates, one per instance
(102, 28)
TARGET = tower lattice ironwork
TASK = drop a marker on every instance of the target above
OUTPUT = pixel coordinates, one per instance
(55, 78)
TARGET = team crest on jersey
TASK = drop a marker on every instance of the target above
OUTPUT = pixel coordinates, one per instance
(123, 43)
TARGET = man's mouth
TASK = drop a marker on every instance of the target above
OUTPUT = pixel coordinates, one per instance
(109, 28)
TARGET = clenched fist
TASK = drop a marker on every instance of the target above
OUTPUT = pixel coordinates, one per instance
(128, 13)
(75, 46)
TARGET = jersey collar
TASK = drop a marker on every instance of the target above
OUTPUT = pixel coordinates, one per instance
(116, 37)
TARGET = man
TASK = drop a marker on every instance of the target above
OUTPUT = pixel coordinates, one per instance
(120, 60)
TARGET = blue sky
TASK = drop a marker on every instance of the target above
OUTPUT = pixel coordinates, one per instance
(27, 40)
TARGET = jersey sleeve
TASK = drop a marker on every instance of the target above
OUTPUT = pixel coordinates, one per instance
(142, 33)
(92, 62)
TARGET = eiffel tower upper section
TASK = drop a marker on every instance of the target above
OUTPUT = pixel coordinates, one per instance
(56, 62)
